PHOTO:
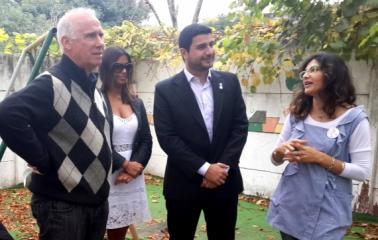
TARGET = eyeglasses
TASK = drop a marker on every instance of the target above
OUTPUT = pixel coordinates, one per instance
(118, 67)
(312, 69)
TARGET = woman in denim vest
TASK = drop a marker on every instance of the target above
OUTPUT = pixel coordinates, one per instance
(326, 141)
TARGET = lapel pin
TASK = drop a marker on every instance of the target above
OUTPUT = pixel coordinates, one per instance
(220, 86)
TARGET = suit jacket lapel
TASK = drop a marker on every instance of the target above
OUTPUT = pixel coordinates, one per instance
(137, 111)
(217, 85)
(187, 96)
(138, 114)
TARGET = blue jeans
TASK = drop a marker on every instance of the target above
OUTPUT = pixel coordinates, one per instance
(58, 220)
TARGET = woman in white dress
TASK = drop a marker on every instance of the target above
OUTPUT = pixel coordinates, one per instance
(131, 141)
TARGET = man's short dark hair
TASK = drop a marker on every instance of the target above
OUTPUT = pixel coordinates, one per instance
(189, 32)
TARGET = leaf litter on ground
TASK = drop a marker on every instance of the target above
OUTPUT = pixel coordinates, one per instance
(15, 214)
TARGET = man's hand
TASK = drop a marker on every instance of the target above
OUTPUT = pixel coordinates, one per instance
(217, 173)
(35, 170)
(207, 184)
(132, 168)
(123, 178)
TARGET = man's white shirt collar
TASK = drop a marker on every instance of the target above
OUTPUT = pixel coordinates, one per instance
(190, 76)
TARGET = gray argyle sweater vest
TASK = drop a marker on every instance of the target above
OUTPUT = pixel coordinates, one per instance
(78, 144)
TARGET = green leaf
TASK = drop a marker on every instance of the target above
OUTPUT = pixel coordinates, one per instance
(252, 89)
(3, 35)
(292, 83)
(337, 45)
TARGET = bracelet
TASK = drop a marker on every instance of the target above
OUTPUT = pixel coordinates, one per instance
(332, 165)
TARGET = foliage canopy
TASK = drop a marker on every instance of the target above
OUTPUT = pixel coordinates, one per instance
(262, 40)
(272, 36)
(37, 16)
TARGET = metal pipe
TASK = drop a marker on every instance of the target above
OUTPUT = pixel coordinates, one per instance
(2, 150)
(46, 38)
(15, 72)
(36, 43)
(42, 55)
(31, 58)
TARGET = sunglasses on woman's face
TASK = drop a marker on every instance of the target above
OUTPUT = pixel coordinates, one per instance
(118, 67)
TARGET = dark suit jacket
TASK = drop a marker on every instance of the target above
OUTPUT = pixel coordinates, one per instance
(142, 144)
(182, 134)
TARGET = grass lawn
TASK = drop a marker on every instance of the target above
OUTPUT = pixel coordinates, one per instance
(16, 216)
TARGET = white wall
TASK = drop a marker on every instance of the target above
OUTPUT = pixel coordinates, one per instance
(11, 166)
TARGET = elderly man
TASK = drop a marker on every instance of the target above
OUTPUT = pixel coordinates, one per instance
(57, 124)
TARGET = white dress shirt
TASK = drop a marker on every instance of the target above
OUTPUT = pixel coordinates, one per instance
(205, 101)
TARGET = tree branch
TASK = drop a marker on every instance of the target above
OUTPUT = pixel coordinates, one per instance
(197, 11)
(154, 12)
(173, 11)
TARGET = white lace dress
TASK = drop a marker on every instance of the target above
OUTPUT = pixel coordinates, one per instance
(127, 202)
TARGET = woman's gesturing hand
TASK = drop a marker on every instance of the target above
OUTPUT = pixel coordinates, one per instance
(285, 151)
(305, 154)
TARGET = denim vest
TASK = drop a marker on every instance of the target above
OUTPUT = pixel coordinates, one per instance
(311, 202)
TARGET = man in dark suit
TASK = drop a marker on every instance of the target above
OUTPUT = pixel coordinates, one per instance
(201, 123)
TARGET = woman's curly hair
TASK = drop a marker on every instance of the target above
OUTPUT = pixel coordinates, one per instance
(338, 91)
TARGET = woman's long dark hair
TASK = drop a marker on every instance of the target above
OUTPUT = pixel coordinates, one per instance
(110, 56)
(338, 91)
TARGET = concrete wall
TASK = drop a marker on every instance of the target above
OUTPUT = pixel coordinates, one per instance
(260, 176)
(11, 166)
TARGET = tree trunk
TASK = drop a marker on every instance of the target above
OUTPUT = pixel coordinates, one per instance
(197, 11)
(173, 11)
(373, 119)
(154, 12)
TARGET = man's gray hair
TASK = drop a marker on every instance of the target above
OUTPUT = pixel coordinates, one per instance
(65, 27)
